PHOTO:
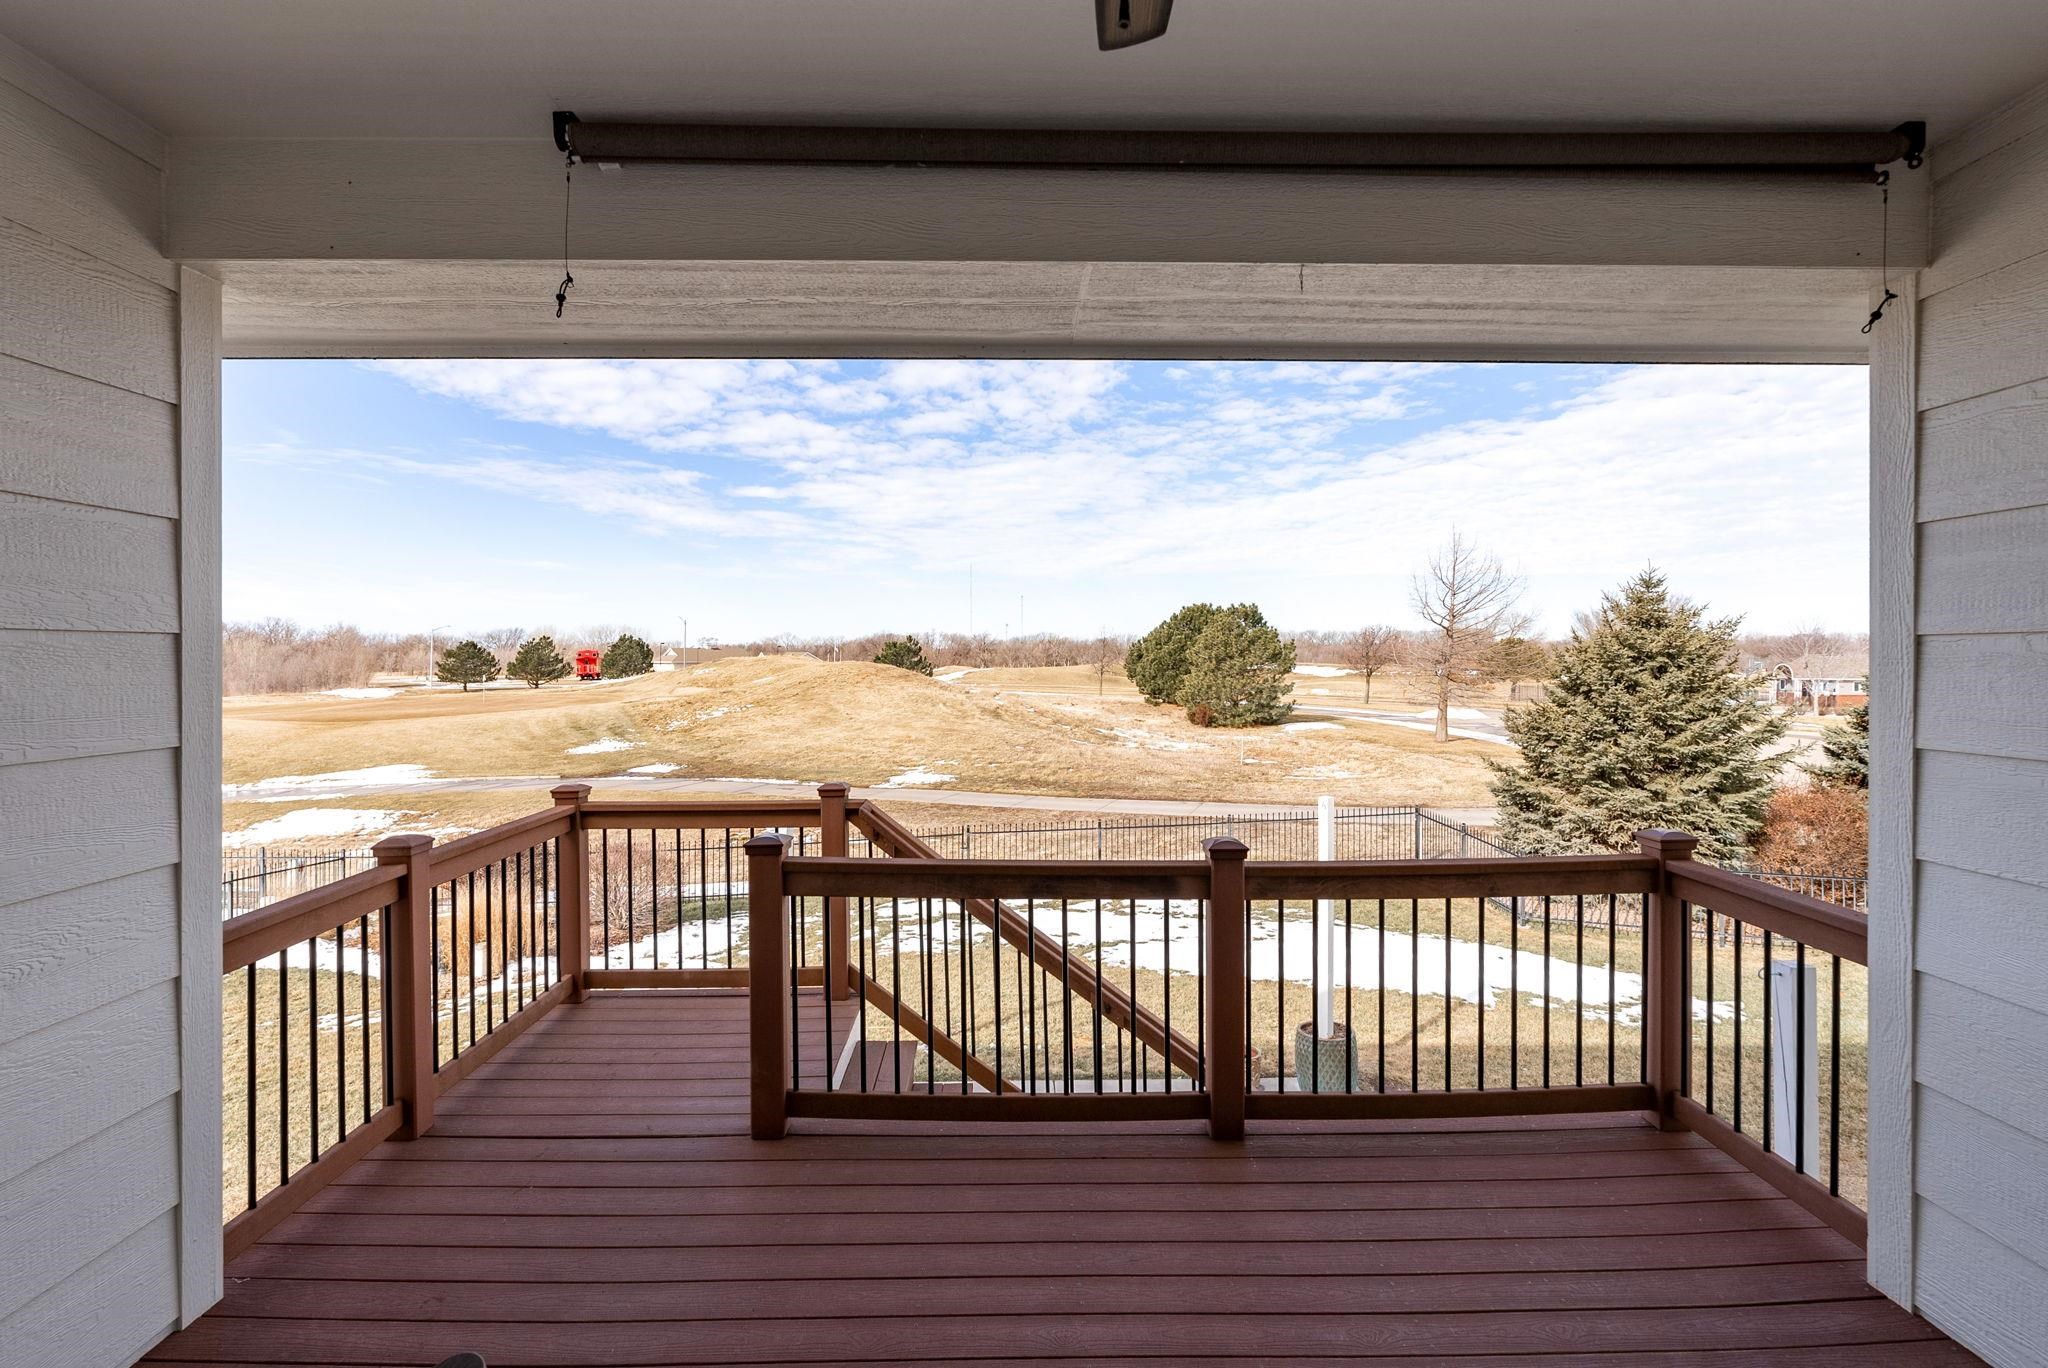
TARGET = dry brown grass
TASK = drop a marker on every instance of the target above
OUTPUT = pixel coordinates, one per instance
(807, 720)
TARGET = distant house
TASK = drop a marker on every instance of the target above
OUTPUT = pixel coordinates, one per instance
(667, 660)
(1820, 694)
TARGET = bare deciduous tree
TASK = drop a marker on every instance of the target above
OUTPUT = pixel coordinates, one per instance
(1372, 649)
(1469, 602)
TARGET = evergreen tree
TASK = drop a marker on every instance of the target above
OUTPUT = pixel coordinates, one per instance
(467, 663)
(1158, 661)
(1237, 669)
(626, 657)
(1848, 753)
(905, 655)
(1645, 724)
(1514, 659)
(537, 662)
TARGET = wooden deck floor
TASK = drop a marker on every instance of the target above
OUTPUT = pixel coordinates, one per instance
(590, 1197)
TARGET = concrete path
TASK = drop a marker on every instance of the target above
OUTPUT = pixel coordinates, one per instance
(650, 785)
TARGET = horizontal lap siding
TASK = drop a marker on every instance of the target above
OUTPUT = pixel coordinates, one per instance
(1980, 802)
(90, 734)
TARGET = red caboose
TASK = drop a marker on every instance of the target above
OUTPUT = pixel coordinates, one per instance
(587, 666)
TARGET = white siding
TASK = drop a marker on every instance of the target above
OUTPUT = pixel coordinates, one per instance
(109, 1228)
(1978, 1113)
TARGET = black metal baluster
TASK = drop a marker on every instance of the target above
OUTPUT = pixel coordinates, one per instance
(249, 1020)
(363, 984)
(896, 990)
(1767, 1039)
(792, 916)
(1066, 996)
(1024, 967)
(1741, 934)
(284, 1068)
(1799, 1056)
(1315, 983)
(433, 963)
(1710, 1009)
(1449, 1010)
(340, 1043)
(1350, 992)
(1101, 969)
(1612, 1013)
(632, 925)
(1414, 995)
(728, 898)
(1579, 995)
(995, 966)
(861, 915)
(313, 1043)
(1381, 995)
(1479, 1004)
(1514, 994)
(1137, 1052)
(469, 960)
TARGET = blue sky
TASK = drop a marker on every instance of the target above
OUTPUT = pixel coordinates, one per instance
(757, 497)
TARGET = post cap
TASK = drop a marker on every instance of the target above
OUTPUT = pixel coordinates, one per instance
(1667, 845)
(834, 789)
(400, 849)
(767, 843)
(1225, 848)
(570, 794)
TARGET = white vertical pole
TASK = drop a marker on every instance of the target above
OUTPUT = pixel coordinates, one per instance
(1326, 920)
(1790, 1045)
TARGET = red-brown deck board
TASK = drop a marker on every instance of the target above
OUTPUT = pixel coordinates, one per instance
(590, 1197)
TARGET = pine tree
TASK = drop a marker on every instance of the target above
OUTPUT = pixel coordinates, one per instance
(1848, 753)
(1158, 661)
(1645, 724)
(467, 663)
(905, 655)
(1237, 669)
(626, 657)
(537, 662)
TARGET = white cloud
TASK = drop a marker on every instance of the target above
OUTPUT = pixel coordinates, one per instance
(1077, 474)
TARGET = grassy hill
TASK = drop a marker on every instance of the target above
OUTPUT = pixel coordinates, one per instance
(794, 717)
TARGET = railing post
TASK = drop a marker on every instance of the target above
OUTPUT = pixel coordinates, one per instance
(1667, 997)
(1223, 988)
(572, 896)
(832, 842)
(767, 990)
(407, 956)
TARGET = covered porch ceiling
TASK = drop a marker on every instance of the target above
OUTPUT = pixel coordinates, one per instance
(379, 179)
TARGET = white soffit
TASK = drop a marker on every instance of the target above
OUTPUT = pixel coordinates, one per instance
(494, 68)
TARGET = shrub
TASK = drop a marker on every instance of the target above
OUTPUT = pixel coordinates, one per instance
(626, 657)
(905, 655)
(467, 663)
(1824, 829)
(1201, 716)
(538, 662)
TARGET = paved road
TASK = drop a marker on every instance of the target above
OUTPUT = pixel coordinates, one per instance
(668, 786)
(1488, 728)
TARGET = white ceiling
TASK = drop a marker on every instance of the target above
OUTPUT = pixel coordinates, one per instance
(494, 68)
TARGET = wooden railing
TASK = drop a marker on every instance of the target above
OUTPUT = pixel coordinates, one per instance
(987, 992)
(1045, 990)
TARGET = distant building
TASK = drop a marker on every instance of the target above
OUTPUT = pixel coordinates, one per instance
(667, 660)
(1820, 694)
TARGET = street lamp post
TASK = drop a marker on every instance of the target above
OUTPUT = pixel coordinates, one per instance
(430, 649)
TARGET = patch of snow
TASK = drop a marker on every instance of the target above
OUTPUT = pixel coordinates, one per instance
(603, 747)
(662, 768)
(360, 693)
(917, 777)
(1467, 733)
(287, 788)
(1310, 726)
(1322, 671)
(1324, 692)
(731, 779)
(306, 824)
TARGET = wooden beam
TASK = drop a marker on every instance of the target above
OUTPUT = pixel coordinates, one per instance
(477, 200)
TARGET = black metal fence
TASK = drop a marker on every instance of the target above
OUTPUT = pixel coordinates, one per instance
(261, 875)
